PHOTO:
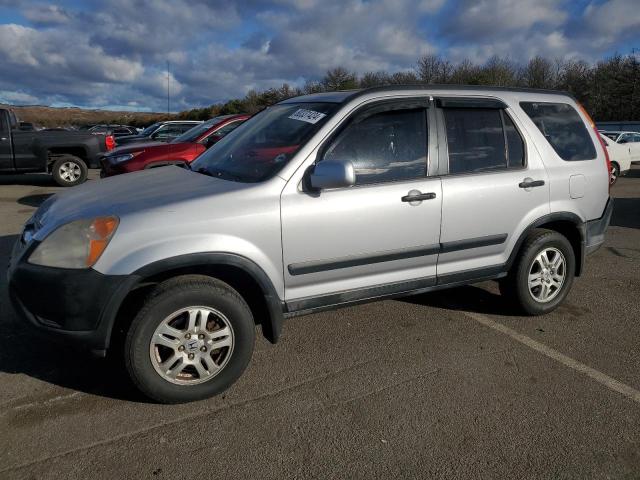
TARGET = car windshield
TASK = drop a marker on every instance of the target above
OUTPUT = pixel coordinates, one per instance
(150, 129)
(193, 134)
(264, 144)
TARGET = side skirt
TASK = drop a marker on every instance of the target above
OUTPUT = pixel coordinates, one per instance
(307, 305)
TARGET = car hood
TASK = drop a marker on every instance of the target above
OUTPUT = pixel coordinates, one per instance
(167, 188)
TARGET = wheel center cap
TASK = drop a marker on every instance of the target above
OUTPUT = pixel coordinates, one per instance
(191, 345)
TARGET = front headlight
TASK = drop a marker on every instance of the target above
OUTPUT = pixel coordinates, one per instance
(77, 244)
(121, 158)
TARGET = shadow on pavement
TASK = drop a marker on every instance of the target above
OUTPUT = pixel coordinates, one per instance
(626, 212)
(633, 173)
(469, 298)
(34, 200)
(23, 350)
(35, 179)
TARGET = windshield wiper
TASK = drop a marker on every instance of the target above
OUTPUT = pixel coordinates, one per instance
(223, 174)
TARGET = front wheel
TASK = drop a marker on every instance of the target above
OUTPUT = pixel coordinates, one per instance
(542, 274)
(192, 339)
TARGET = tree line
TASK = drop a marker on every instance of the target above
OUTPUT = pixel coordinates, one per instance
(609, 89)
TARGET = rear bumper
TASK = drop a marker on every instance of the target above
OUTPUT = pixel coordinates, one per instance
(595, 229)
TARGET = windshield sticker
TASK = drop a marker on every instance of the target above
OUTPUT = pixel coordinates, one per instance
(308, 116)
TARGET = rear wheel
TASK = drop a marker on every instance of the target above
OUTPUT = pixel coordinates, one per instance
(192, 339)
(69, 170)
(543, 273)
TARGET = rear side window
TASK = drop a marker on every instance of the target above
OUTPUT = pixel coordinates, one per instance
(481, 139)
(563, 128)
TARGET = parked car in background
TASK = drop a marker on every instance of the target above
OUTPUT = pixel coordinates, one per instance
(619, 126)
(630, 139)
(27, 127)
(115, 130)
(182, 150)
(620, 156)
(66, 155)
(160, 132)
(317, 202)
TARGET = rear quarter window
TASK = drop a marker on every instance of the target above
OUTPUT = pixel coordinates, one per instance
(563, 128)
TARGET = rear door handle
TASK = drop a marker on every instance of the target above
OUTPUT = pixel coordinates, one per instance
(418, 196)
(529, 183)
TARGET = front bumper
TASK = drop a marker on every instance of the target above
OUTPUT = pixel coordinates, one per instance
(74, 305)
(109, 168)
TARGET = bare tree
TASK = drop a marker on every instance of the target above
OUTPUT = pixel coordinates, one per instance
(340, 78)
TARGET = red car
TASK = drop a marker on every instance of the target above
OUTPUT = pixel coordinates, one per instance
(182, 150)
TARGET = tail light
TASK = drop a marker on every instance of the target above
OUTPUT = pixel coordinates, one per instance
(110, 142)
(604, 146)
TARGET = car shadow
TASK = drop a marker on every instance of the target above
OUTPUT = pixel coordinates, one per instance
(34, 200)
(633, 173)
(468, 298)
(626, 212)
(33, 179)
(23, 350)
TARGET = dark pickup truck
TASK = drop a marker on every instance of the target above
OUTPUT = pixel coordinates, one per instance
(66, 155)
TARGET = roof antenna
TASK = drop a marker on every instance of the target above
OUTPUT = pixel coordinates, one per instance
(168, 91)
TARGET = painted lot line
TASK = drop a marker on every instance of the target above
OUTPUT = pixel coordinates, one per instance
(606, 380)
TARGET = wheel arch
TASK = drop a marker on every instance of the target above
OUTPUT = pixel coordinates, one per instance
(244, 275)
(567, 224)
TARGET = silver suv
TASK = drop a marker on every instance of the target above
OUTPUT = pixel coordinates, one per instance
(317, 202)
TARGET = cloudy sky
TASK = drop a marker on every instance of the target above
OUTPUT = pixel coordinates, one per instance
(113, 53)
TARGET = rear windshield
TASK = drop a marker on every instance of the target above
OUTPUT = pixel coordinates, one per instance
(563, 128)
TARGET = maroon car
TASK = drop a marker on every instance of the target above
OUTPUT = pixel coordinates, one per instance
(182, 150)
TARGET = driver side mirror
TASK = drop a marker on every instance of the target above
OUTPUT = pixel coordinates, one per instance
(332, 174)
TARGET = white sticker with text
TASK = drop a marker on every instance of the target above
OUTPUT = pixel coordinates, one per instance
(308, 116)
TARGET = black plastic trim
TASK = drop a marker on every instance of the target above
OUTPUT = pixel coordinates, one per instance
(273, 327)
(460, 102)
(476, 242)
(361, 295)
(304, 306)
(322, 266)
(553, 217)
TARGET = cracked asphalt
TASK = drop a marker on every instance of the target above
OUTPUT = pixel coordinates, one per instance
(444, 385)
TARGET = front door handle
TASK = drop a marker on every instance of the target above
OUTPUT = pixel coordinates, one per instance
(530, 182)
(418, 196)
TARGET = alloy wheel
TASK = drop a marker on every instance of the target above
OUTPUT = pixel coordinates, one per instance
(70, 172)
(192, 345)
(547, 275)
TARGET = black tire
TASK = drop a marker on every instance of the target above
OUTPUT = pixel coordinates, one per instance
(515, 287)
(167, 298)
(69, 170)
(615, 173)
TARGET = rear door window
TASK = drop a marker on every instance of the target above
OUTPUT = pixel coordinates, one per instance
(480, 139)
(563, 128)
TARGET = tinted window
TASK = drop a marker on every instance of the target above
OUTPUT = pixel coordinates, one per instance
(475, 139)
(515, 144)
(563, 128)
(384, 147)
(265, 143)
(227, 128)
(4, 124)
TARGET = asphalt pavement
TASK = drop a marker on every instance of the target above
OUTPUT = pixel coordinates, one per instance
(450, 384)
